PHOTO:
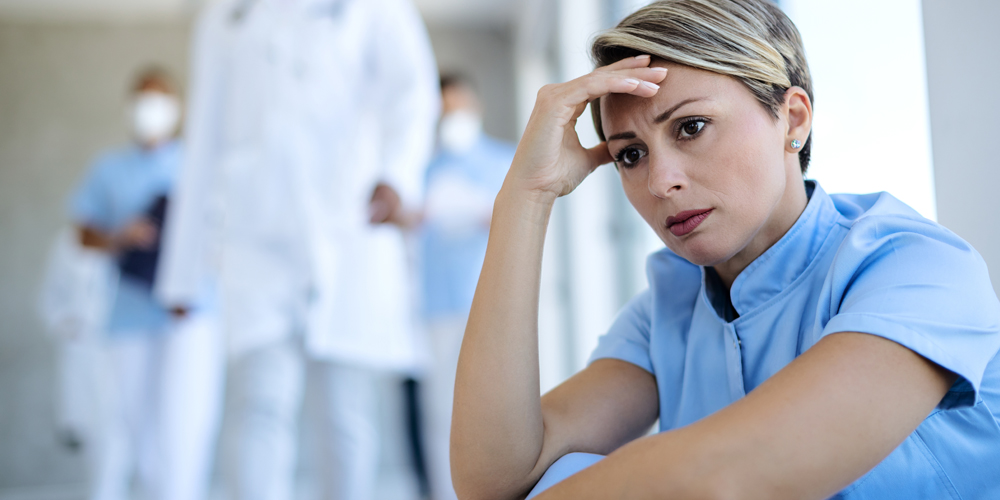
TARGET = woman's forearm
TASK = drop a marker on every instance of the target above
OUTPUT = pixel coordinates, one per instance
(498, 431)
(497, 428)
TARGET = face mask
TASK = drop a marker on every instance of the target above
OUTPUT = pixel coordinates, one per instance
(155, 117)
(460, 130)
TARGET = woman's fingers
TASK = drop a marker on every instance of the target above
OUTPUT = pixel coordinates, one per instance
(599, 155)
(654, 74)
(599, 84)
(628, 63)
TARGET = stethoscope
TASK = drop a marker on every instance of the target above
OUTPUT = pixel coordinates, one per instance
(241, 10)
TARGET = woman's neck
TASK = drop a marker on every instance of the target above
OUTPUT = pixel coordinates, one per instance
(788, 210)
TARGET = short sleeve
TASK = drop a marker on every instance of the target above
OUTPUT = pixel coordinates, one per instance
(918, 284)
(90, 204)
(628, 338)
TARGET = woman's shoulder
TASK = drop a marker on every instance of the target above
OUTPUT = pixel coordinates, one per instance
(879, 224)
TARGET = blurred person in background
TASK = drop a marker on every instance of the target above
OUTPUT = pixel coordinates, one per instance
(163, 383)
(310, 127)
(462, 181)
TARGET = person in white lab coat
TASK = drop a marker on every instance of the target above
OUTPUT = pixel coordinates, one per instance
(309, 129)
(163, 377)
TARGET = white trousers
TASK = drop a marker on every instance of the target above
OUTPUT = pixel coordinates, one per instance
(269, 384)
(161, 407)
(439, 395)
(78, 389)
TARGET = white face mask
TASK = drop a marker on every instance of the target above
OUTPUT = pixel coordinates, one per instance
(460, 130)
(155, 117)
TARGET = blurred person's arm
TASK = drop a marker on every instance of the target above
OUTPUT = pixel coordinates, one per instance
(185, 258)
(409, 104)
(139, 233)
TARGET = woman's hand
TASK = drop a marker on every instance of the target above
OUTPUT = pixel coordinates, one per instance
(550, 158)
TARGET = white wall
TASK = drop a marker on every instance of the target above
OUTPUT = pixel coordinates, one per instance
(963, 70)
(866, 58)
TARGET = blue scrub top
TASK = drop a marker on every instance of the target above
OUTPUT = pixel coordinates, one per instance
(851, 263)
(121, 186)
(451, 263)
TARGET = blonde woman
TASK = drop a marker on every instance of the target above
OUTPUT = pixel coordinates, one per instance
(792, 344)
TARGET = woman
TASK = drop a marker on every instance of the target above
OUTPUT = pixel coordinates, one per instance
(792, 344)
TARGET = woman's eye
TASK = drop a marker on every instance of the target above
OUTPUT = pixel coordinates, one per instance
(691, 128)
(629, 156)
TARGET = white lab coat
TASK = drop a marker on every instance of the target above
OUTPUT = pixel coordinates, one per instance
(298, 108)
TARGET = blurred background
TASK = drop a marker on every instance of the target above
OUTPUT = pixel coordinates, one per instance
(906, 102)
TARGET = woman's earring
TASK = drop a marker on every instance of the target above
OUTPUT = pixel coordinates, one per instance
(796, 144)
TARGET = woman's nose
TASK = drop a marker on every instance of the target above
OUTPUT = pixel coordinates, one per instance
(666, 177)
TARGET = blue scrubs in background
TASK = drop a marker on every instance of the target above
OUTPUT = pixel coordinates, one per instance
(851, 263)
(120, 187)
(453, 256)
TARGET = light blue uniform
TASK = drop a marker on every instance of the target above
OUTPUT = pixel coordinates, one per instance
(451, 263)
(120, 187)
(851, 263)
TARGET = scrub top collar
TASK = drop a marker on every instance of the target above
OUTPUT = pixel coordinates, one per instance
(168, 147)
(778, 267)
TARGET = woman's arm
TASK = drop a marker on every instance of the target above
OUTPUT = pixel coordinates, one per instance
(503, 436)
(807, 432)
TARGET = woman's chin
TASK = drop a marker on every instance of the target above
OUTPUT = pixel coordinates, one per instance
(700, 251)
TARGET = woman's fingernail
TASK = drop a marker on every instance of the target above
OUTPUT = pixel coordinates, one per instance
(642, 56)
(632, 81)
(659, 69)
(651, 85)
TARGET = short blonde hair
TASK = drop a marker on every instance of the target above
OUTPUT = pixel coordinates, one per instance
(752, 41)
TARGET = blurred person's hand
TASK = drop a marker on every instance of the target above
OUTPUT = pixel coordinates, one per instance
(386, 207)
(140, 233)
(179, 312)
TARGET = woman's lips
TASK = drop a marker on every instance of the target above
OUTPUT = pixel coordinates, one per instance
(685, 222)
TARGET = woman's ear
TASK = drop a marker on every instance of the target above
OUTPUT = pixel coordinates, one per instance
(799, 113)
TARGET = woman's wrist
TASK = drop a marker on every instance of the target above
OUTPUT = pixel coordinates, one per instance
(532, 204)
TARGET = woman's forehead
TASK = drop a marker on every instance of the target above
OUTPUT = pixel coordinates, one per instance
(682, 83)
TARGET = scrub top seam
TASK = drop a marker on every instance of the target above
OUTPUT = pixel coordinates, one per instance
(935, 463)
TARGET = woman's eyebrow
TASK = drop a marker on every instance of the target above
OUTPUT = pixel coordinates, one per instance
(623, 135)
(664, 116)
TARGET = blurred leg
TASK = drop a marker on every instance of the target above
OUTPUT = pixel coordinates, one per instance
(126, 383)
(446, 342)
(74, 394)
(349, 427)
(192, 392)
(268, 386)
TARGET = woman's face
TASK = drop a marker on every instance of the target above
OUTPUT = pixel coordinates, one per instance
(706, 166)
